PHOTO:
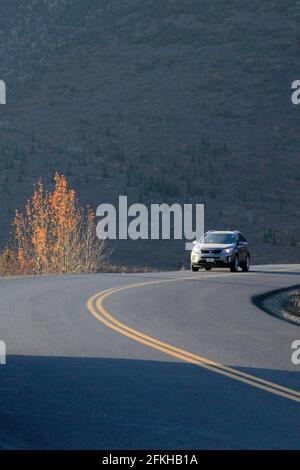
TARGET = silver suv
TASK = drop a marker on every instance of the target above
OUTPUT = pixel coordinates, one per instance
(221, 250)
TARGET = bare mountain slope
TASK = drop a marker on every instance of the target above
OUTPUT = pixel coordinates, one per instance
(179, 101)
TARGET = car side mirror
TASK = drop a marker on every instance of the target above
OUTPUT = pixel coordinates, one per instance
(195, 242)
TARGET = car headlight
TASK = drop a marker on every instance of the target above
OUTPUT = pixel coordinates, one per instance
(196, 249)
(227, 250)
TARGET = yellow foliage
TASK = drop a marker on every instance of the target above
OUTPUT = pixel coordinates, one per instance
(55, 235)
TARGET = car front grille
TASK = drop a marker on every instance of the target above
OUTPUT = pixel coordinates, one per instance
(212, 252)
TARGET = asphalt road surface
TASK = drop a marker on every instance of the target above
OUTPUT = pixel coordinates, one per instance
(148, 361)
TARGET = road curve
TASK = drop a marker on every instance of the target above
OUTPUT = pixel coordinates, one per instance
(167, 360)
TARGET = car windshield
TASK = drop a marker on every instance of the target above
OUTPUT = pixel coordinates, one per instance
(218, 238)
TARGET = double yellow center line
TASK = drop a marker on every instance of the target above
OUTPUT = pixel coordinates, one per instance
(97, 309)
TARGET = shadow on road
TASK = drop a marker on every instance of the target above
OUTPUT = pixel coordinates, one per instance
(91, 403)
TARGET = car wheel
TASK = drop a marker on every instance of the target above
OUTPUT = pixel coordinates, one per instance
(235, 264)
(195, 268)
(246, 265)
(207, 269)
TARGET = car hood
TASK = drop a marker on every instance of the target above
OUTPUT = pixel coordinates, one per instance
(212, 246)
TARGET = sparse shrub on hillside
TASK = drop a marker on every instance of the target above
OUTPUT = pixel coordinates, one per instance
(54, 235)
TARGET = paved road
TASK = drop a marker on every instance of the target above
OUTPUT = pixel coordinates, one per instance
(184, 360)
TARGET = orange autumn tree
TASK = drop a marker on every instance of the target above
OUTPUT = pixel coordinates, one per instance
(55, 235)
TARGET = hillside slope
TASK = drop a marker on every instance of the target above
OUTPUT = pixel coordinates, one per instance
(177, 102)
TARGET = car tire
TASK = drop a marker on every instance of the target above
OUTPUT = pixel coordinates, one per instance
(246, 265)
(207, 269)
(234, 267)
(195, 268)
